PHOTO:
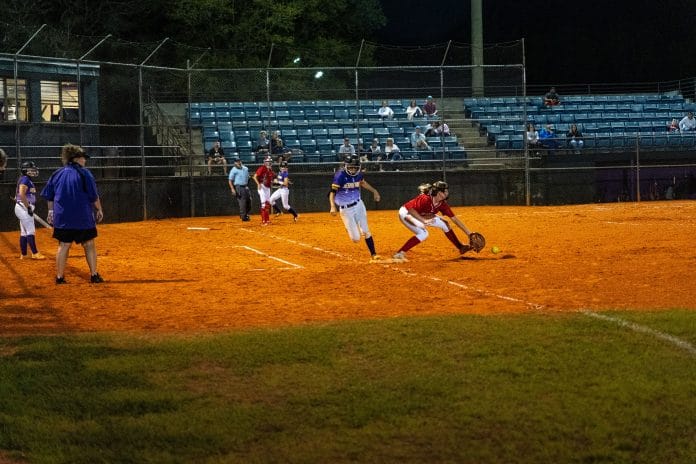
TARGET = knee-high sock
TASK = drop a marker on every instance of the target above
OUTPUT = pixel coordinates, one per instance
(31, 239)
(453, 238)
(370, 245)
(23, 244)
(410, 243)
(292, 211)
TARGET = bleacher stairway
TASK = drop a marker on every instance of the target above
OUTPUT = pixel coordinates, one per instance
(479, 154)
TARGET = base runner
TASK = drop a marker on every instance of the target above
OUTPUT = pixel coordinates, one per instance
(345, 194)
(283, 192)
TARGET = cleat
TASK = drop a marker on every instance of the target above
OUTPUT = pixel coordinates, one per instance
(464, 249)
(37, 256)
(400, 257)
(96, 279)
(296, 218)
(60, 280)
(376, 259)
(23, 256)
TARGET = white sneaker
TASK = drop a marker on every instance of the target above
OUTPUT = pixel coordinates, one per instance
(400, 256)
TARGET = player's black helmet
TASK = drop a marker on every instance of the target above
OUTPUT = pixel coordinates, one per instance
(284, 164)
(352, 165)
(29, 169)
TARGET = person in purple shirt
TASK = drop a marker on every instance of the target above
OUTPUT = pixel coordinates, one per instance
(25, 196)
(74, 209)
(345, 193)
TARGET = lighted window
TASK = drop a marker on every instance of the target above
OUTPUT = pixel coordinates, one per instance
(59, 101)
(14, 99)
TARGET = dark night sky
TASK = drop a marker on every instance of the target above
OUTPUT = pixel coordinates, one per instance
(567, 42)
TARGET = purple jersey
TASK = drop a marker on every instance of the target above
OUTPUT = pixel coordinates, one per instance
(348, 187)
(280, 178)
(31, 190)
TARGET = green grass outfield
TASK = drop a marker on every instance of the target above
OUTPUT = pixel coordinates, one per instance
(542, 388)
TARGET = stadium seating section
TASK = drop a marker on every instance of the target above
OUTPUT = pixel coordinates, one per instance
(607, 122)
(314, 129)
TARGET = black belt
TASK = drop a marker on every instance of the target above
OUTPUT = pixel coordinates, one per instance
(349, 205)
(241, 186)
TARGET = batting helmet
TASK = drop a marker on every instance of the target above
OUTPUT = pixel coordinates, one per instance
(29, 169)
(352, 165)
(284, 164)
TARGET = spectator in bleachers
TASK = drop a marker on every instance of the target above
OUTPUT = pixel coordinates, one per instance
(430, 108)
(673, 125)
(551, 98)
(429, 129)
(533, 142)
(574, 138)
(391, 150)
(418, 140)
(346, 149)
(413, 111)
(384, 111)
(277, 145)
(263, 145)
(441, 128)
(688, 123)
(216, 157)
(547, 138)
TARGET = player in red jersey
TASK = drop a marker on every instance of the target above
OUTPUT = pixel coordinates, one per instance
(421, 212)
(263, 177)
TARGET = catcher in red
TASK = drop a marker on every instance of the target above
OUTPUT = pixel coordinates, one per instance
(421, 212)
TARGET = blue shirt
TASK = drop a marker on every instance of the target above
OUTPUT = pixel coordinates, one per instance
(239, 176)
(348, 187)
(31, 190)
(73, 190)
(282, 175)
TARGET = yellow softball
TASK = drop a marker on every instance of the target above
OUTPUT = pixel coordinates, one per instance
(495, 250)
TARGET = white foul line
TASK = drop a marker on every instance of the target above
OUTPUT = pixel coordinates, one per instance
(635, 327)
(683, 344)
(294, 266)
(411, 274)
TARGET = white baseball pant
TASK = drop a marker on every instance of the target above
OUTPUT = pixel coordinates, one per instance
(355, 221)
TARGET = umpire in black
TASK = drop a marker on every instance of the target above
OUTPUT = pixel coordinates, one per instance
(238, 180)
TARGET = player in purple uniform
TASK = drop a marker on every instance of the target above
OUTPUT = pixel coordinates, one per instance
(283, 192)
(24, 210)
(345, 194)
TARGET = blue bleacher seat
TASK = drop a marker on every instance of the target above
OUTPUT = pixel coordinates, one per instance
(502, 142)
(289, 134)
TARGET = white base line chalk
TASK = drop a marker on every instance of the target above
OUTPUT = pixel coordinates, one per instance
(292, 265)
(678, 342)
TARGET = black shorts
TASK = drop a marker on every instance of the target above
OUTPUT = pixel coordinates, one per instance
(74, 235)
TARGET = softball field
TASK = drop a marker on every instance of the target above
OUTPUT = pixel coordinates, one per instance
(219, 274)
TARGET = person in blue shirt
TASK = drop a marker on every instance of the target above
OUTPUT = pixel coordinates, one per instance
(239, 186)
(345, 194)
(25, 196)
(74, 208)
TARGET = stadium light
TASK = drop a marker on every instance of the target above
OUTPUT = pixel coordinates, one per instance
(318, 74)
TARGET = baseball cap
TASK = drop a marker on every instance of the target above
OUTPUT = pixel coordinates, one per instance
(235, 159)
(418, 127)
(430, 97)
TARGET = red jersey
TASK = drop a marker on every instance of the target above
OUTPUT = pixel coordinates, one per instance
(423, 204)
(265, 175)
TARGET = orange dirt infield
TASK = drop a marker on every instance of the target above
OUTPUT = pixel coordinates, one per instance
(164, 277)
